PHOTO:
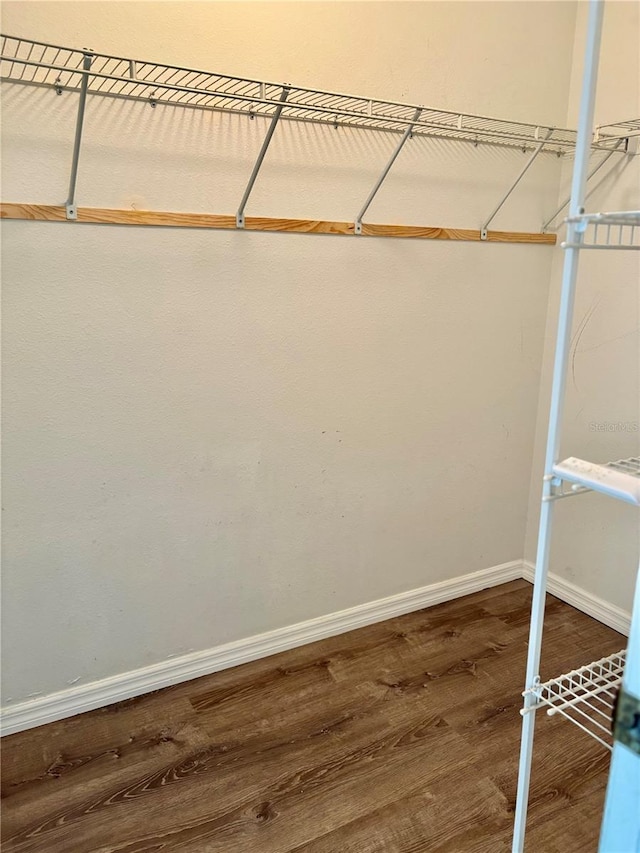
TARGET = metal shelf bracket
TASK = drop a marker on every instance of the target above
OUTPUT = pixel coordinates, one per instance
(405, 136)
(263, 150)
(485, 227)
(70, 204)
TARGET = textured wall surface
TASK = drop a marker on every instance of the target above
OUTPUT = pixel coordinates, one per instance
(596, 542)
(208, 435)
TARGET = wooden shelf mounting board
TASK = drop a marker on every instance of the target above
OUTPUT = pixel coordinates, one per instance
(109, 216)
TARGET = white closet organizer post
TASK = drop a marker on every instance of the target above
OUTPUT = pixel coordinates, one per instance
(586, 695)
(563, 341)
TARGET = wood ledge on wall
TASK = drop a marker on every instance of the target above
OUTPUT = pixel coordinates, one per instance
(109, 216)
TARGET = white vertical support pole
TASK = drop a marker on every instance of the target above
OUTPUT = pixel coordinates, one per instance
(563, 340)
(70, 204)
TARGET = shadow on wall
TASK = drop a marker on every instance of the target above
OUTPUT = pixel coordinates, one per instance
(173, 158)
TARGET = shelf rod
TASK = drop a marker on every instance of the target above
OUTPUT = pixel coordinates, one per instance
(265, 145)
(525, 169)
(589, 176)
(385, 172)
(70, 204)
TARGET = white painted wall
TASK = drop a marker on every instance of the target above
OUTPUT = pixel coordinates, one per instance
(596, 542)
(210, 435)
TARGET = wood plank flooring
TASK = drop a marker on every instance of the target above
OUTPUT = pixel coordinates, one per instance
(401, 737)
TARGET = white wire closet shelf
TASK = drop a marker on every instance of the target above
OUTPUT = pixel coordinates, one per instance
(61, 68)
(616, 230)
(620, 129)
(620, 479)
(583, 696)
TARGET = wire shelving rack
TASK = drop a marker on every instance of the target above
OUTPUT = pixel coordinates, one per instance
(618, 230)
(90, 73)
(621, 129)
(619, 479)
(584, 696)
(61, 68)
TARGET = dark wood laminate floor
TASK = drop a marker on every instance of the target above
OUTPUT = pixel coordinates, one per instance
(396, 738)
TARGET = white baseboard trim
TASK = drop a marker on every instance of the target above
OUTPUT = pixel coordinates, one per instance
(592, 605)
(87, 697)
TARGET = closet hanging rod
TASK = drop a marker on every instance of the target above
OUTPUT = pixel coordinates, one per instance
(61, 68)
